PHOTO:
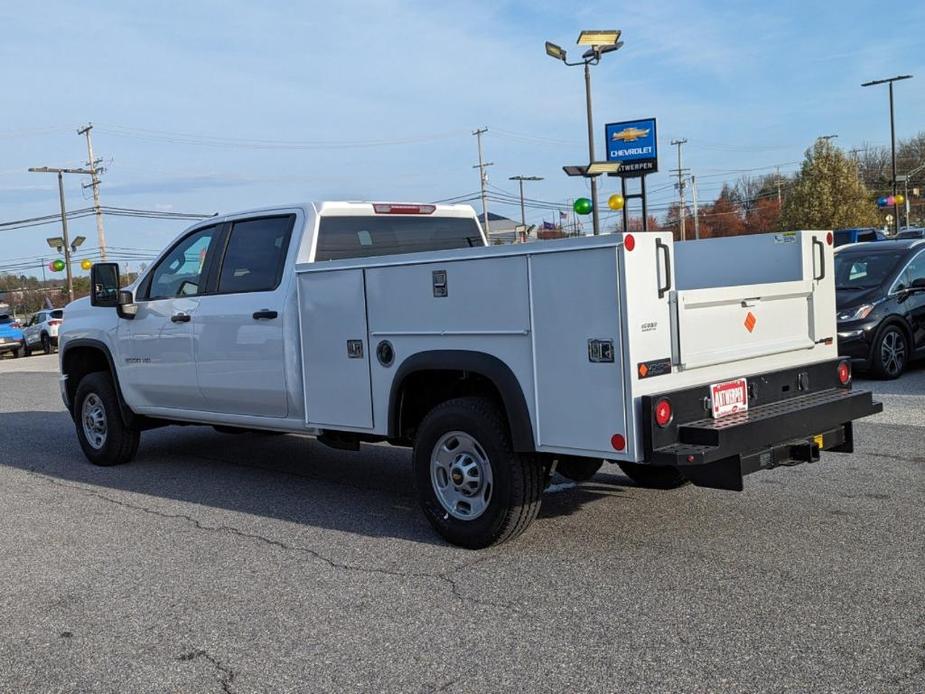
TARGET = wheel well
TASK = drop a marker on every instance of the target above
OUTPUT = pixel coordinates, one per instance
(426, 379)
(77, 363)
(423, 390)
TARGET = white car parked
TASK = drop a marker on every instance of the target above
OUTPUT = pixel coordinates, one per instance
(42, 330)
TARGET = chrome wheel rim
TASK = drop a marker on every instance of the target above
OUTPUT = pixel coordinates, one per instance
(93, 418)
(893, 352)
(460, 473)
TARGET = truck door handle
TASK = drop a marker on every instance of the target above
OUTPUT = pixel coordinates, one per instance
(659, 246)
(265, 313)
(180, 318)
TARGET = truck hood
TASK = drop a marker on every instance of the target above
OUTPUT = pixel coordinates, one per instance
(848, 298)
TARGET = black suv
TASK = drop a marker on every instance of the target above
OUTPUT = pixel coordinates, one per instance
(880, 290)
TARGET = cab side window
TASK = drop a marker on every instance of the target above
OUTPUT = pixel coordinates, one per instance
(915, 271)
(255, 255)
(180, 273)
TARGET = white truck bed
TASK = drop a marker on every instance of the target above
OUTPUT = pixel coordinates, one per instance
(658, 316)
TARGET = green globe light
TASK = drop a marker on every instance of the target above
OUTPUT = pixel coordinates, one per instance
(57, 265)
(582, 206)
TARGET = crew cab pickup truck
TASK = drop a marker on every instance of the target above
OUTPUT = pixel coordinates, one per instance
(373, 322)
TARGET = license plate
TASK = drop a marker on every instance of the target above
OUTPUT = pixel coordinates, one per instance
(729, 397)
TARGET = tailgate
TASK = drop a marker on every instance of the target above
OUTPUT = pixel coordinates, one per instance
(731, 322)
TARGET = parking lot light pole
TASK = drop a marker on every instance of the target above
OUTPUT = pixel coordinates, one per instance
(67, 243)
(890, 81)
(600, 42)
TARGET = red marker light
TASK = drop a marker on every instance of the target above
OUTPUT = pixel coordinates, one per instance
(629, 243)
(828, 238)
(663, 413)
(618, 442)
(844, 373)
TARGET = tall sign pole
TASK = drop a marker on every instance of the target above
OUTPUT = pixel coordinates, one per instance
(634, 144)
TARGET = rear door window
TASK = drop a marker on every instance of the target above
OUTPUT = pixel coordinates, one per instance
(255, 255)
(364, 237)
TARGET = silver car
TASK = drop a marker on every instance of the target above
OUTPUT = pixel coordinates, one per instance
(41, 332)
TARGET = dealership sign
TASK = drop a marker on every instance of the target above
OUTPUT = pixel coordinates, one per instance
(633, 143)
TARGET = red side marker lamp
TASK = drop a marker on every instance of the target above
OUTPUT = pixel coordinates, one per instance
(618, 442)
(629, 242)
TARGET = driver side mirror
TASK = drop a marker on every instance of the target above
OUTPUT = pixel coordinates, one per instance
(104, 285)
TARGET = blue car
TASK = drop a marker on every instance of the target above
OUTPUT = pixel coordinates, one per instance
(858, 235)
(11, 337)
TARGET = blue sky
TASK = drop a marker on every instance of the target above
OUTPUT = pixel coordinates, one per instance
(211, 106)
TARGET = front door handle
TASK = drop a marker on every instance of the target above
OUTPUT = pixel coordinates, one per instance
(265, 313)
(180, 318)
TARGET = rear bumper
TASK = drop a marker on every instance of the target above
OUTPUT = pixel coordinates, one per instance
(793, 415)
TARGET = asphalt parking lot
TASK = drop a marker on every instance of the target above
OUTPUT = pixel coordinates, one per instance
(219, 563)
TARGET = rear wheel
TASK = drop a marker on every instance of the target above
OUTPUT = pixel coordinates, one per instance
(653, 476)
(891, 353)
(26, 350)
(46, 344)
(16, 353)
(473, 488)
(103, 436)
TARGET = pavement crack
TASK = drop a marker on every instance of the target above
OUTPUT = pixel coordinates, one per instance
(447, 577)
(225, 674)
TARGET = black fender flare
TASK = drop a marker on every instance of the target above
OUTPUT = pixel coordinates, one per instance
(485, 365)
(128, 417)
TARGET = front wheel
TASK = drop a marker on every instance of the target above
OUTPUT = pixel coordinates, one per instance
(890, 353)
(654, 476)
(473, 488)
(103, 436)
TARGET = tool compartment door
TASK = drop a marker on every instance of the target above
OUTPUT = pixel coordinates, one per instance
(335, 354)
(719, 318)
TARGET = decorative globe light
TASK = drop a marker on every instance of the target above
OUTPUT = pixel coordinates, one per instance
(900, 199)
(881, 201)
(86, 264)
(56, 265)
(615, 202)
(582, 206)
(890, 201)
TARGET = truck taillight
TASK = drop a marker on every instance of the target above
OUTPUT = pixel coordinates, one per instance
(54, 321)
(389, 208)
(844, 373)
(663, 413)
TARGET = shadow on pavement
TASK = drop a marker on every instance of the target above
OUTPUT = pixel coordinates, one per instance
(289, 478)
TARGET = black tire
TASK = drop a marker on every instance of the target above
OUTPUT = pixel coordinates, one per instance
(119, 442)
(17, 353)
(46, 344)
(890, 353)
(26, 350)
(517, 480)
(653, 476)
(578, 469)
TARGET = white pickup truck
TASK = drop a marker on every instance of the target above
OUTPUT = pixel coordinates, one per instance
(367, 322)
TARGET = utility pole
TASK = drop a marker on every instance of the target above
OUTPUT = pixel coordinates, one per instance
(483, 176)
(67, 242)
(779, 198)
(696, 211)
(890, 81)
(521, 179)
(681, 183)
(95, 184)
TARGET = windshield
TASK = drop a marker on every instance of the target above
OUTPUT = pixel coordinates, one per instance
(857, 271)
(363, 237)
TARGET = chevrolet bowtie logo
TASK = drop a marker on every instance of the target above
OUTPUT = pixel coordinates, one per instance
(630, 134)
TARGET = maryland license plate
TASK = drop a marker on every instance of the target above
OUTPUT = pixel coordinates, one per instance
(729, 397)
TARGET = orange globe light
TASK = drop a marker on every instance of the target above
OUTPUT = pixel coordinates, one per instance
(615, 202)
(86, 264)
